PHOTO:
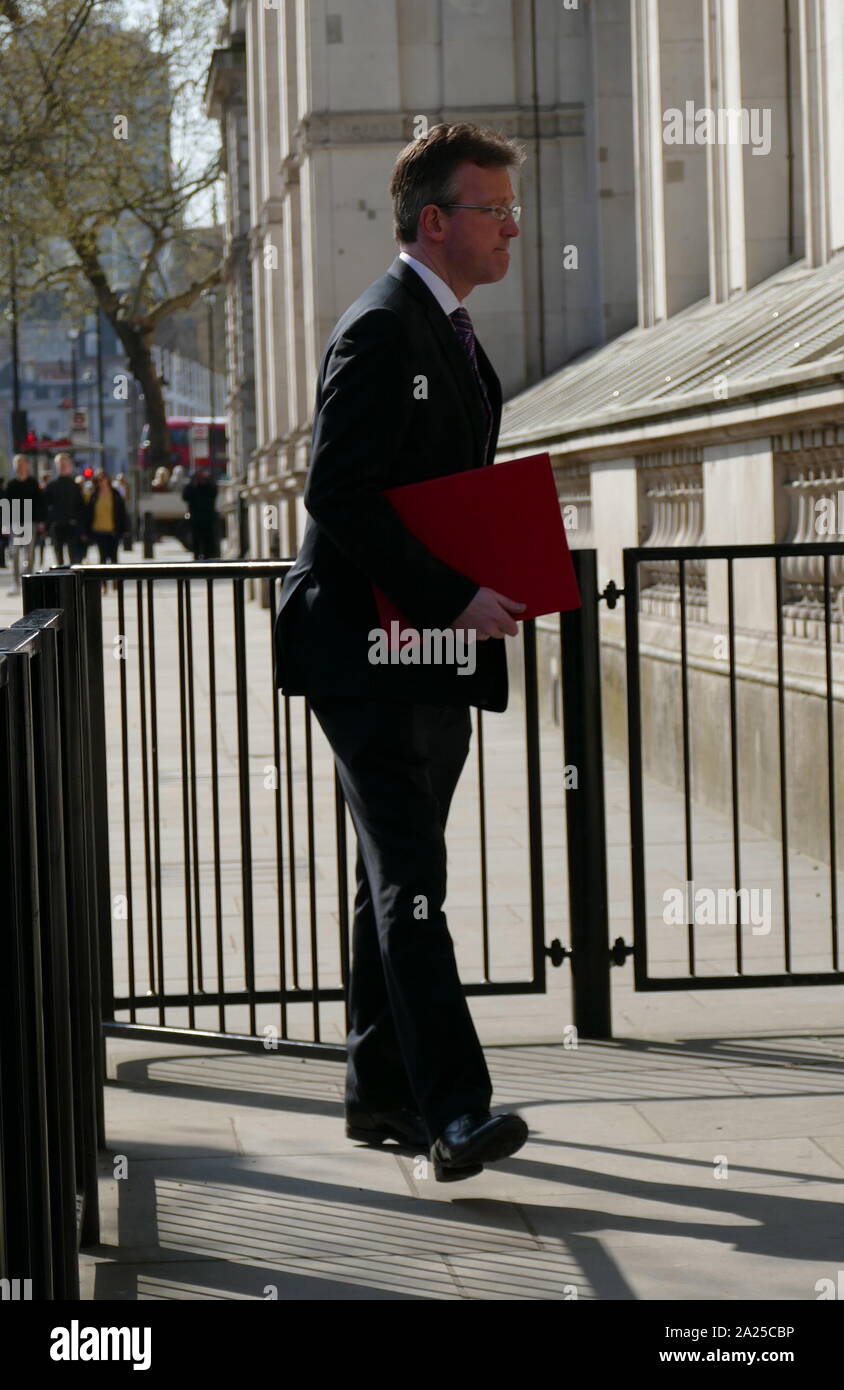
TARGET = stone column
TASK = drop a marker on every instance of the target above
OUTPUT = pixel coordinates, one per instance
(822, 81)
(668, 71)
(618, 515)
(727, 264)
(744, 504)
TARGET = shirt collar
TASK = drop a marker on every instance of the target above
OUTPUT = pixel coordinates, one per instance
(443, 293)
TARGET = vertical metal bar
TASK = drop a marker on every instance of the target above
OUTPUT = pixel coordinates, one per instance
(534, 799)
(342, 889)
(291, 849)
(687, 798)
(309, 787)
(731, 641)
(585, 815)
(186, 781)
(25, 1142)
(215, 799)
(156, 805)
(145, 779)
(191, 693)
(632, 561)
(91, 734)
(479, 725)
(48, 755)
(16, 1003)
(124, 765)
(279, 846)
(830, 764)
(243, 783)
(786, 896)
(60, 589)
(94, 734)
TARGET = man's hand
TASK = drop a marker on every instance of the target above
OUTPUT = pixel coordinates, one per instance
(489, 614)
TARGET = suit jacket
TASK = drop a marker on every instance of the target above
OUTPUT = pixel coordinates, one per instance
(396, 403)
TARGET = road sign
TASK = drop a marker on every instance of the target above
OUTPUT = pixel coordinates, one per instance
(200, 445)
(79, 428)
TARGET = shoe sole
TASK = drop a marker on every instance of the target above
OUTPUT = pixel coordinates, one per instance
(443, 1173)
(376, 1137)
(488, 1148)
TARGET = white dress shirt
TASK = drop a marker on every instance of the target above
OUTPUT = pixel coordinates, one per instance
(444, 294)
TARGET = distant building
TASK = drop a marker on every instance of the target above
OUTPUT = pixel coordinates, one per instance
(188, 387)
(46, 386)
(46, 389)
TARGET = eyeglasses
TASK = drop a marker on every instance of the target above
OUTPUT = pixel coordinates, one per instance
(499, 213)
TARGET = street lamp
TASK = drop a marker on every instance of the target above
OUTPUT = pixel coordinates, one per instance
(210, 300)
(88, 380)
(73, 339)
(18, 418)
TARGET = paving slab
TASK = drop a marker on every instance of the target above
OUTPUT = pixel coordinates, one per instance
(655, 1169)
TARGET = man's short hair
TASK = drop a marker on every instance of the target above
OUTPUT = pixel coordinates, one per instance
(426, 170)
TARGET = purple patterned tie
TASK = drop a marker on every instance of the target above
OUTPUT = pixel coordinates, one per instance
(466, 334)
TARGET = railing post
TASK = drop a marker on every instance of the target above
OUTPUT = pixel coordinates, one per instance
(242, 525)
(25, 1134)
(585, 813)
(59, 589)
(47, 755)
(90, 599)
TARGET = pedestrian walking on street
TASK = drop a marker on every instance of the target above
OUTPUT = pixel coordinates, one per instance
(27, 510)
(201, 496)
(106, 520)
(65, 512)
(400, 733)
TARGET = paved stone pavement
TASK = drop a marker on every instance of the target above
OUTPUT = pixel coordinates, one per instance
(699, 1154)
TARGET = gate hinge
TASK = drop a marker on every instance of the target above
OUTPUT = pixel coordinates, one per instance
(611, 593)
(557, 952)
(619, 951)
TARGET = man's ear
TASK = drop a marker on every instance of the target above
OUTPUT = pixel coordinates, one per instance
(432, 222)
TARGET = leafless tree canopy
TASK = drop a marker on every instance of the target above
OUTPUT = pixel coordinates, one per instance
(104, 150)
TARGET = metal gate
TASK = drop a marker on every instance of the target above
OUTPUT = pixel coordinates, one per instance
(743, 686)
(223, 895)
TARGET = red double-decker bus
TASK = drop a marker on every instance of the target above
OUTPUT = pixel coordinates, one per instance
(199, 440)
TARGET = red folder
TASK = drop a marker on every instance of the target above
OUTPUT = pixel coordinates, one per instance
(500, 526)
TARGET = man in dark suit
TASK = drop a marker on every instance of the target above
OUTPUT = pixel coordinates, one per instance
(406, 393)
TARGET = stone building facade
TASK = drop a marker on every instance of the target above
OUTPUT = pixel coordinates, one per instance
(719, 419)
(672, 326)
(226, 101)
(334, 90)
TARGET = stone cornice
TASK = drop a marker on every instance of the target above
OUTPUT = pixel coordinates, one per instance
(783, 401)
(226, 81)
(330, 129)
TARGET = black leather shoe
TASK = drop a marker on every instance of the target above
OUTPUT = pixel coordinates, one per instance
(474, 1139)
(373, 1127)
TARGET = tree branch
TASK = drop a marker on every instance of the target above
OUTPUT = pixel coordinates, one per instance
(182, 300)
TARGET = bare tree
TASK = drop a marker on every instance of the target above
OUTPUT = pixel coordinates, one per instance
(104, 151)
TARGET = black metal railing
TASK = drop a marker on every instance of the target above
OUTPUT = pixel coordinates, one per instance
(226, 922)
(50, 1058)
(734, 718)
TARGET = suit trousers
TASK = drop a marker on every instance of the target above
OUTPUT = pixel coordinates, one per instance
(412, 1041)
